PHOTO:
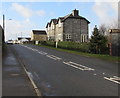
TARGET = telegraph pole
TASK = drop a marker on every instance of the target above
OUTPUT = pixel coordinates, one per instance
(3, 36)
(3, 22)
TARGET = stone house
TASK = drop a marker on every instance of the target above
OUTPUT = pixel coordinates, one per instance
(39, 35)
(71, 27)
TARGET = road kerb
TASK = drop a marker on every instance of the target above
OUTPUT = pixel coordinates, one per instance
(37, 91)
(33, 83)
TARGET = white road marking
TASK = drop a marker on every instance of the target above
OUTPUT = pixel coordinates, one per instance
(78, 66)
(114, 79)
(51, 57)
(54, 57)
(103, 73)
(41, 52)
(95, 74)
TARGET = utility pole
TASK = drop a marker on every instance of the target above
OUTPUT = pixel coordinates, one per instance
(3, 36)
(3, 22)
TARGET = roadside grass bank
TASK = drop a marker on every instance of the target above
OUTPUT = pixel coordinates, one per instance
(99, 56)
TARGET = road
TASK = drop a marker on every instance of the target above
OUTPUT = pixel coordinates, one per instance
(59, 73)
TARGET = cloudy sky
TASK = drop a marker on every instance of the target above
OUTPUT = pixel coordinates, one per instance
(26, 16)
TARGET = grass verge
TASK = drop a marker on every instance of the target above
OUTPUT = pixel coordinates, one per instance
(99, 56)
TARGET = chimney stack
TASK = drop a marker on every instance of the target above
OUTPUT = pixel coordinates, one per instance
(75, 12)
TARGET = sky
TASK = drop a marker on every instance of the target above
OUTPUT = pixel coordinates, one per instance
(23, 17)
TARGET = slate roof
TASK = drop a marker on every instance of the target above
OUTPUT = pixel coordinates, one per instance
(42, 32)
(71, 16)
(47, 24)
(55, 21)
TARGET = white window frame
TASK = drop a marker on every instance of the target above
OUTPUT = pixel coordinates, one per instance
(68, 36)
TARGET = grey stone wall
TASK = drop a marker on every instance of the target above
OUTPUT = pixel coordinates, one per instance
(59, 33)
(51, 34)
(84, 27)
(75, 27)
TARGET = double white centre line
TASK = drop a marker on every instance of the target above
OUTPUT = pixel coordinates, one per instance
(54, 57)
(114, 79)
(78, 66)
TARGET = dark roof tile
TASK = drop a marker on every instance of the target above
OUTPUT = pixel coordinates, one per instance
(55, 21)
(39, 32)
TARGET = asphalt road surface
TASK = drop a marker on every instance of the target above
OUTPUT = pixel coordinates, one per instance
(63, 74)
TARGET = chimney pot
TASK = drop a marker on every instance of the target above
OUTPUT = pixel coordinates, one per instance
(75, 12)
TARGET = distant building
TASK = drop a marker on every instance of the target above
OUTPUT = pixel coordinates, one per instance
(39, 35)
(27, 38)
(23, 39)
(114, 39)
(71, 27)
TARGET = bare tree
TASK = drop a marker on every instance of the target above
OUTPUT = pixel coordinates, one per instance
(102, 29)
(113, 24)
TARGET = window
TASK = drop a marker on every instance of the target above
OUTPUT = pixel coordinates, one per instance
(68, 36)
(84, 37)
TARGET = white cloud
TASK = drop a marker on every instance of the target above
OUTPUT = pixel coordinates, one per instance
(13, 28)
(60, 0)
(106, 11)
(24, 11)
(40, 13)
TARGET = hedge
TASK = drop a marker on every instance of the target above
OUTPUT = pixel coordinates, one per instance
(82, 47)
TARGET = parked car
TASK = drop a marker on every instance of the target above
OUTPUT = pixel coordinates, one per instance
(10, 42)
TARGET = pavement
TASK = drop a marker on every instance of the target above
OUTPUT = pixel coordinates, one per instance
(59, 73)
(15, 82)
